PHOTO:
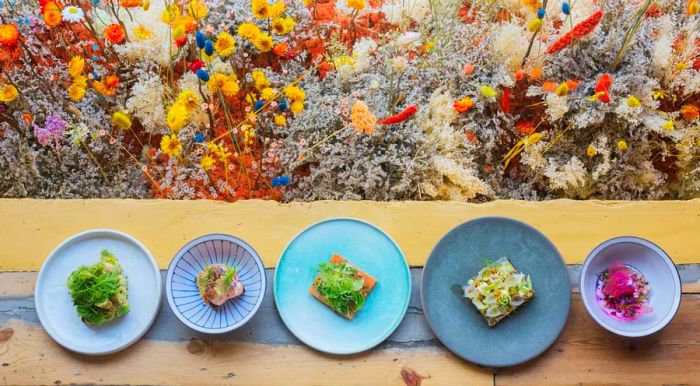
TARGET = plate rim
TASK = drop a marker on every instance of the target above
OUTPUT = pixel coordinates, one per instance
(372, 344)
(199, 240)
(448, 346)
(74, 238)
(677, 286)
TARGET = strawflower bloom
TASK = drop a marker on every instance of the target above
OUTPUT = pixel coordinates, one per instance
(690, 112)
(177, 117)
(9, 35)
(225, 44)
(114, 33)
(8, 93)
(171, 145)
(76, 65)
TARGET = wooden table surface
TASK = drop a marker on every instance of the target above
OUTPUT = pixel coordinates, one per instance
(265, 353)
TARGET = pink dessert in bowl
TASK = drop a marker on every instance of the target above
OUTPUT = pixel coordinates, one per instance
(630, 286)
(623, 292)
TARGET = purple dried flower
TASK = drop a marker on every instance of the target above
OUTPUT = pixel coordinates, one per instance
(53, 129)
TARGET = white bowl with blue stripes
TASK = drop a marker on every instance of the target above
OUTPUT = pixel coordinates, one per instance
(183, 295)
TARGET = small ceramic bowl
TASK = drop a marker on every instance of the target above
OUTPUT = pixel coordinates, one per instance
(656, 266)
(183, 295)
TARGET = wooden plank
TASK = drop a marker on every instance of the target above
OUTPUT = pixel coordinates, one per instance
(576, 227)
(28, 356)
(587, 354)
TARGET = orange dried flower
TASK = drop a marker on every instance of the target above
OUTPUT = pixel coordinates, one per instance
(519, 75)
(690, 112)
(463, 105)
(52, 14)
(580, 30)
(362, 118)
(536, 73)
(112, 81)
(572, 84)
(114, 33)
(549, 86)
(280, 49)
(188, 22)
(9, 35)
(130, 3)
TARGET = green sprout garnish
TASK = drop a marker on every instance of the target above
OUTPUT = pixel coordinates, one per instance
(342, 287)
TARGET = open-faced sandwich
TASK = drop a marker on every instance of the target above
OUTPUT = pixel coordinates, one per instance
(342, 286)
(99, 291)
(219, 283)
(498, 290)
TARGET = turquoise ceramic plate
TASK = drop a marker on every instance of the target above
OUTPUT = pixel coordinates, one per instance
(366, 246)
(523, 335)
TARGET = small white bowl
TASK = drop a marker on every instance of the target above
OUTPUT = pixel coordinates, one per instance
(654, 264)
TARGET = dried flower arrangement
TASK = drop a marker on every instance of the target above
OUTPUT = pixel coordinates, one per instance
(350, 99)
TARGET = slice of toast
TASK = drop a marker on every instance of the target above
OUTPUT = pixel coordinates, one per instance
(370, 282)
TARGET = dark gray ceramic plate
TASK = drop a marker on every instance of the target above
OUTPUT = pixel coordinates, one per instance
(456, 322)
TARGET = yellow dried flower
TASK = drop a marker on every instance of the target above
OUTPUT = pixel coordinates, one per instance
(534, 25)
(280, 120)
(177, 117)
(562, 89)
(668, 125)
(121, 120)
(488, 92)
(76, 65)
(622, 145)
(142, 33)
(188, 99)
(207, 162)
(591, 151)
(171, 145)
(8, 93)
(633, 102)
(357, 5)
(225, 44)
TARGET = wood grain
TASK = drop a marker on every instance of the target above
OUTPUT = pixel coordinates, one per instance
(586, 354)
(576, 227)
(28, 356)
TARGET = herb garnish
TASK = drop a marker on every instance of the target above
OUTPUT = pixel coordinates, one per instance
(99, 291)
(342, 287)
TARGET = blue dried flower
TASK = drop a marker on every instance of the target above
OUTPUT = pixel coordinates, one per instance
(540, 13)
(281, 181)
(566, 8)
(258, 105)
(203, 75)
(199, 137)
(284, 105)
(209, 48)
(200, 39)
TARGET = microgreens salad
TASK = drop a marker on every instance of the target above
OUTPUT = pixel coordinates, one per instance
(342, 286)
(497, 290)
(99, 291)
(218, 283)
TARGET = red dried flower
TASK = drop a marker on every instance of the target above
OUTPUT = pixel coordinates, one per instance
(181, 41)
(525, 127)
(602, 87)
(407, 113)
(505, 100)
(196, 65)
(580, 30)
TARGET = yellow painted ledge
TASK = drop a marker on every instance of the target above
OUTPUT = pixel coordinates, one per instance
(30, 229)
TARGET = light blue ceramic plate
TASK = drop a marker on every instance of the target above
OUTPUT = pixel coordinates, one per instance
(523, 335)
(366, 246)
(183, 295)
(55, 308)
